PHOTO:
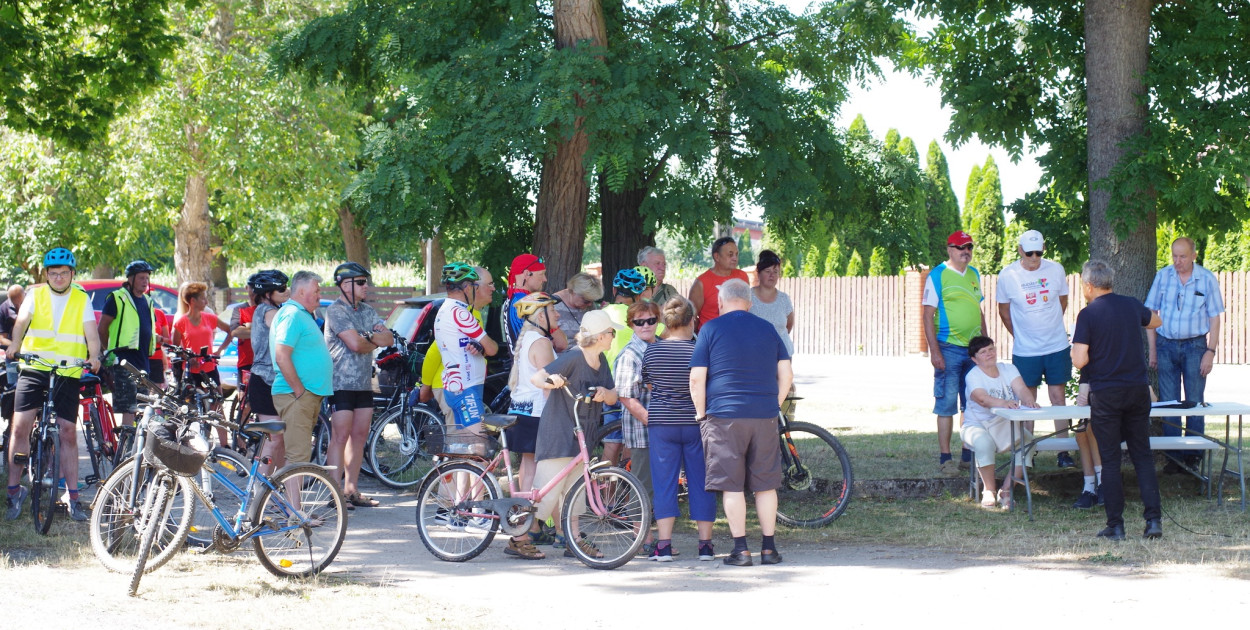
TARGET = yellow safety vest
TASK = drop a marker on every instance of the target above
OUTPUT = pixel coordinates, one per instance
(66, 342)
(124, 330)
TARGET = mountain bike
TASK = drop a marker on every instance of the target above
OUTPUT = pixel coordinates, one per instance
(459, 508)
(43, 458)
(98, 427)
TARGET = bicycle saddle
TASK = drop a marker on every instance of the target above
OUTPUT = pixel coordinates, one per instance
(498, 421)
(88, 380)
(268, 426)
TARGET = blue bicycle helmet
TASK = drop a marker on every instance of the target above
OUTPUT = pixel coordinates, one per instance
(60, 257)
(629, 281)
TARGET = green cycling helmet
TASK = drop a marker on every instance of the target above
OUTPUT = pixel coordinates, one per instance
(647, 275)
(458, 272)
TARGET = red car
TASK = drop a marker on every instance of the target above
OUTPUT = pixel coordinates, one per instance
(165, 298)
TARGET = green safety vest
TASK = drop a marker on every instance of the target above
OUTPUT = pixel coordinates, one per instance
(124, 329)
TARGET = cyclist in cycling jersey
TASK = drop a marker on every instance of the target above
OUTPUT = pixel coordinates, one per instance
(527, 274)
(128, 327)
(463, 343)
(57, 324)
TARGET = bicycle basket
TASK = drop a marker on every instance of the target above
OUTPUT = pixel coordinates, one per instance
(457, 443)
(182, 457)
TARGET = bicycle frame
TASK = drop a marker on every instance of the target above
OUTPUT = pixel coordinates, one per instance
(104, 411)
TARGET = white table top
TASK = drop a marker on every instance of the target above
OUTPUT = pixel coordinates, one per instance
(1073, 412)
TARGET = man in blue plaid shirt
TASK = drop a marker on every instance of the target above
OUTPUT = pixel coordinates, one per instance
(1187, 299)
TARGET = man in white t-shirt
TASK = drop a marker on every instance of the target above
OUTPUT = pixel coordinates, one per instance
(1032, 298)
(463, 343)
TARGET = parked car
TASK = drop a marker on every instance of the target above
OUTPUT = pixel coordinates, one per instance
(164, 297)
(414, 320)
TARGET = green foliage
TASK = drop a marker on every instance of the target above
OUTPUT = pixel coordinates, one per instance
(1164, 235)
(835, 261)
(746, 256)
(1229, 251)
(879, 263)
(1011, 241)
(983, 219)
(855, 266)
(69, 67)
(941, 206)
(1063, 222)
(813, 262)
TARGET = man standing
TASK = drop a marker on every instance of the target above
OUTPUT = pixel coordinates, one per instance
(527, 274)
(703, 293)
(58, 324)
(578, 297)
(353, 332)
(739, 375)
(1106, 347)
(1032, 298)
(305, 371)
(653, 258)
(463, 343)
(952, 317)
(8, 314)
(128, 327)
(1187, 298)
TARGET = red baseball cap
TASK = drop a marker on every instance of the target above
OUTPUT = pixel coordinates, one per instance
(959, 237)
(523, 263)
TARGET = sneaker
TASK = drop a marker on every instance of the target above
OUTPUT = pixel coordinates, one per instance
(662, 555)
(1086, 501)
(949, 468)
(546, 536)
(707, 552)
(738, 559)
(1064, 460)
(15, 503)
(76, 512)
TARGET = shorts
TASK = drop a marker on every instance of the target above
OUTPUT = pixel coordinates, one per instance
(742, 454)
(210, 378)
(351, 399)
(523, 436)
(260, 396)
(617, 436)
(32, 390)
(1056, 367)
(124, 391)
(300, 416)
(948, 384)
(466, 405)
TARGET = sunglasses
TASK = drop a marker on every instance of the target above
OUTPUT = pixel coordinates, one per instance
(966, 248)
(360, 282)
(650, 321)
(1032, 254)
(526, 268)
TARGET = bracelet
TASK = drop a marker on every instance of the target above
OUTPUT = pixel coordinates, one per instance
(1211, 350)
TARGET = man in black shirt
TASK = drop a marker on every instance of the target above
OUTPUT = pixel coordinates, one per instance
(8, 314)
(1107, 348)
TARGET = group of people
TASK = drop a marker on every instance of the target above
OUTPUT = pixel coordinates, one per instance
(1181, 317)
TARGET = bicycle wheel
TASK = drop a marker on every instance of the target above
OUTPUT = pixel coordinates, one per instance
(449, 528)
(151, 524)
(44, 473)
(304, 522)
(594, 440)
(321, 438)
(817, 482)
(619, 530)
(397, 448)
(93, 435)
(115, 525)
(125, 445)
(226, 498)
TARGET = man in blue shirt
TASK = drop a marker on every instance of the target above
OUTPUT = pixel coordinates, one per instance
(1187, 298)
(305, 371)
(739, 375)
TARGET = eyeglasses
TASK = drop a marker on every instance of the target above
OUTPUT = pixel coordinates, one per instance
(60, 274)
(1032, 254)
(526, 268)
(966, 248)
(650, 321)
(360, 282)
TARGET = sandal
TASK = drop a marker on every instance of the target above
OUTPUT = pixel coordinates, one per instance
(586, 548)
(987, 500)
(1004, 500)
(359, 500)
(523, 549)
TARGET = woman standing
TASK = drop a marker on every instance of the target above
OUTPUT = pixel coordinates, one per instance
(533, 352)
(193, 330)
(769, 303)
(675, 440)
(643, 318)
(271, 291)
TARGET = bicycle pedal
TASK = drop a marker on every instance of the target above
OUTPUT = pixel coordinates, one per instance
(91, 480)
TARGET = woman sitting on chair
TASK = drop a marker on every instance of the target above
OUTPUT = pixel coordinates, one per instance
(993, 384)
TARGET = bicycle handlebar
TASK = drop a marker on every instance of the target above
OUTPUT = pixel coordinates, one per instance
(31, 357)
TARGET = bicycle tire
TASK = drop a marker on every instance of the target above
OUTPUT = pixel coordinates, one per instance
(594, 445)
(619, 532)
(44, 473)
(397, 448)
(231, 465)
(321, 438)
(93, 434)
(817, 477)
(450, 537)
(295, 552)
(113, 532)
(155, 513)
(125, 445)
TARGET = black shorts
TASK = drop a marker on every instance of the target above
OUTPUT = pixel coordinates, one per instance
(124, 391)
(260, 396)
(32, 390)
(351, 399)
(523, 436)
(210, 378)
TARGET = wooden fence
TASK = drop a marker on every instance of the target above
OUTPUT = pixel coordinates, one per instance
(881, 316)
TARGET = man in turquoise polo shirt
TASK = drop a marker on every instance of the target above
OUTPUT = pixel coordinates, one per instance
(952, 317)
(305, 371)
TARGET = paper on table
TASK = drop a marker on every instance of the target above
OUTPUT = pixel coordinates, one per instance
(1165, 403)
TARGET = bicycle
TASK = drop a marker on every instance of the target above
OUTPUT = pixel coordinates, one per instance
(98, 427)
(817, 476)
(459, 509)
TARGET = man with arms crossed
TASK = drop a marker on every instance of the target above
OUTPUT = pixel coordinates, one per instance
(1106, 347)
(739, 375)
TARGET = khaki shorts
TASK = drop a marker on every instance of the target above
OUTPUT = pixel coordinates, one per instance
(300, 416)
(742, 454)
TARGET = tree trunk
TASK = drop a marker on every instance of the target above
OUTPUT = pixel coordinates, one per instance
(192, 241)
(621, 222)
(102, 271)
(219, 272)
(435, 258)
(354, 241)
(1117, 39)
(563, 192)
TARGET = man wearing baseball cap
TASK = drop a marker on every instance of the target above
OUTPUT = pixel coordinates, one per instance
(1032, 298)
(952, 317)
(527, 274)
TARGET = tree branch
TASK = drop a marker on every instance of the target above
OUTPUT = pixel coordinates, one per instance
(760, 37)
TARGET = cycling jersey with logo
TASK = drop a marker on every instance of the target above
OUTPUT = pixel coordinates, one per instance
(454, 329)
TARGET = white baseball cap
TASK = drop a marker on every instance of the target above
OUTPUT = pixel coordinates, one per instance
(596, 322)
(1032, 241)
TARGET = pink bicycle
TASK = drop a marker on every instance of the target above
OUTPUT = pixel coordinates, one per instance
(460, 508)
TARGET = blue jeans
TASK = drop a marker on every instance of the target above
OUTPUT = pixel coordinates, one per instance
(949, 384)
(1181, 362)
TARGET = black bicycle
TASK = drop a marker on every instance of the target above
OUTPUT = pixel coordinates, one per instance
(43, 459)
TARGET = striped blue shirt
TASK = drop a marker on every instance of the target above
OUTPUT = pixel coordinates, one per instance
(1185, 308)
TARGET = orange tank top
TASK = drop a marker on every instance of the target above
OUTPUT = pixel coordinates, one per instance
(710, 281)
